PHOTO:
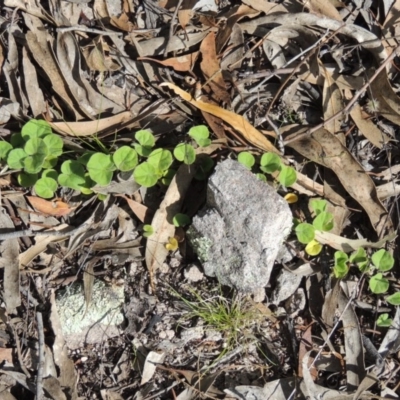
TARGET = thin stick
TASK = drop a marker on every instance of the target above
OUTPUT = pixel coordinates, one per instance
(351, 103)
(29, 232)
(39, 378)
(171, 26)
(86, 29)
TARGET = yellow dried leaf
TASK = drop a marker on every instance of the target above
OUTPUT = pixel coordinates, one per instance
(172, 244)
(313, 248)
(291, 198)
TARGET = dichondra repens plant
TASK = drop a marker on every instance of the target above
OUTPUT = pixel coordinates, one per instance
(38, 155)
(42, 162)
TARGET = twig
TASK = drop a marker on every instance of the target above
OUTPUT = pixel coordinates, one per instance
(171, 26)
(86, 29)
(349, 106)
(39, 378)
(29, 232)
(19, 354)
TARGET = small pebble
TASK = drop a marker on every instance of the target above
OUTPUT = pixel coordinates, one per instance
(193, 273)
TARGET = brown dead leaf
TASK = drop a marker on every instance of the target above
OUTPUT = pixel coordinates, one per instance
(33, 91)
(234, 15)
(98, 58)
(9, 250)
(212, 70)
(140, 210)
(89, 128)
(250, 133)
(180, 63)
(186, 13)
(44, 57)
(162, 222)
(122, 22)
(266, 6)
(325, 149)
(306, 345)
(6, 355)
(88, 281)
(368, 128)
(386, 99)
(56, 208)
(332, 104)
(323, 8)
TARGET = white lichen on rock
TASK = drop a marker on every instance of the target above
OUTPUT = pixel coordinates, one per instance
(105, 307)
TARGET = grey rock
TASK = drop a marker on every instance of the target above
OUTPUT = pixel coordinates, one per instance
(241, 230)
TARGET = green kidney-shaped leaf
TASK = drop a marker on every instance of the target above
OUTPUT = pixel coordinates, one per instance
(384, 321)
(323, 221)
(160, 159)
(247, 159)
(201, 135)
(36, 146)
(185, 153)
(101, 168)
(5, 148)
(35, 128)
(340, 270)
(143, 151)
(199, 132)
(145, 174)
(34, 164)
(147, 230)
(50, 162)
(181, 220)
(340, 257)
(72, 175)
(125, 158)
(394, 299)
(27, 180)
(145, 138)
(378, 284)
(17, 140)
(167, 176)
(15, 158)
(50, 173)
(270, 163)
(383, 260)
(287, 176)
(54, 145)
(360, 258)
(305, 232)
(45, 187)
(319, 205)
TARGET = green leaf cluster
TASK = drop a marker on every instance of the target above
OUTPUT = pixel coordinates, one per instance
(36, 151)
(323, 221)
(268, 164)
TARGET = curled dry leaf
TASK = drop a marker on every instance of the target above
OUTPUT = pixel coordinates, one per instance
(239, 123)
(212, 70)
(56, 208)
